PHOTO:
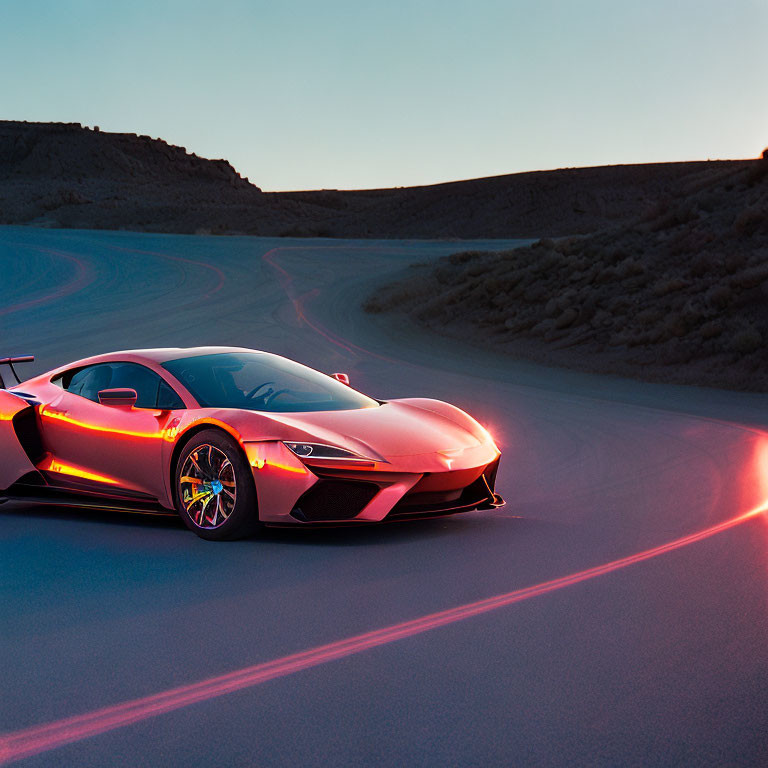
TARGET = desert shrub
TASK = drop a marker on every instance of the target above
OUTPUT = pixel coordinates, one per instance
(629, 267)
(601, 319)
(476, 267)
(701, 264)
(454, 296)
(607, 275)
(656, 210)
(746, 340)
(711, 329)
(719, 296)
(649, 316)
(586, 312)
(613, 255)
(672, 326)
(681, 214)
(543, 326)
(749, 221)
(618, 304)
(579, 262)
(553, 307)
(567, 318)
(518, 323)
(759, 170)
(693, 312)
(734, 261)
(464, 256)
(668, 285)
(708, 203)
(548, 262)
(535, 293)
(751, 278)
(446, 276)
(412, 291)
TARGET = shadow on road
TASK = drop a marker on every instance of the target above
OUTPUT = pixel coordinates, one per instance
(337, 536)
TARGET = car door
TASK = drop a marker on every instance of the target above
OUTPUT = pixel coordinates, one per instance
(107, 448)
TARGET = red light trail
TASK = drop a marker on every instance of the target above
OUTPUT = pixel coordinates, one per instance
(82, 278)
(218, 273)
(40, 738)
(285, 279)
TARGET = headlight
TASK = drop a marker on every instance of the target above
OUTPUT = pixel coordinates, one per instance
(321, 451)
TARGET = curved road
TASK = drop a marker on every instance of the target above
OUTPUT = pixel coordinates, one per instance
(613, 613)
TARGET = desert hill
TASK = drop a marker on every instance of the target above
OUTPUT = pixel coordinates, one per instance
(59, 174)
(66, 175)
(680, 294)
(559, 202)
(68, 151)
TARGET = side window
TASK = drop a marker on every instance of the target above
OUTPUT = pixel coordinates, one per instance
(148, 385)
(167, 399)
(151, 390)
(88, 381)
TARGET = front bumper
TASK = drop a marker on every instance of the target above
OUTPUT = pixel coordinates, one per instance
(293, 492)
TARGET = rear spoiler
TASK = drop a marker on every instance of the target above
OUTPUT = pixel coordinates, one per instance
(9, 361)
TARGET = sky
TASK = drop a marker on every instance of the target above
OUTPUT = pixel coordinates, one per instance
(310, 94)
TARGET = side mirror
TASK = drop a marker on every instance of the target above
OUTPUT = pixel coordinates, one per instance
(342, 377)
(118, 398)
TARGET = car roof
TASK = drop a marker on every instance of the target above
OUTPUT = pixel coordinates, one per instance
(157, 356)
(163, 355)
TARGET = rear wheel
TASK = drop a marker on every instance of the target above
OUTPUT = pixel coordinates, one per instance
(215, 494)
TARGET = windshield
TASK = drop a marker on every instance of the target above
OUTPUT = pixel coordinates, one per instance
(259, 381)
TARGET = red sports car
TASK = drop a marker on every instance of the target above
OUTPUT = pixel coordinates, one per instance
(233, 439)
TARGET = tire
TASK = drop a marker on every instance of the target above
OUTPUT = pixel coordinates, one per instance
(214, 490)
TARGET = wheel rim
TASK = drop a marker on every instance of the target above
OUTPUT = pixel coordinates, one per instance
(207, 487)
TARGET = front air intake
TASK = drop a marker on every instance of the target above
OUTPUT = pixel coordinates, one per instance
(333, 500)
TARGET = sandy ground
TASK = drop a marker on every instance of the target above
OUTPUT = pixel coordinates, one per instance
(659, 661)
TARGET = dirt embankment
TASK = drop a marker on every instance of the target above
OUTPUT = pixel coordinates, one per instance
(65, 175)
(678, 295)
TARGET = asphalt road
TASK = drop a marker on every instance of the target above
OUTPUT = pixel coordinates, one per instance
(643, 641)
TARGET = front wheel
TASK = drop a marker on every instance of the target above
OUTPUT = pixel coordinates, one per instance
(215, 494)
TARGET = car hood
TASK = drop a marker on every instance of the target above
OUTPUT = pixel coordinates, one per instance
(390, 430)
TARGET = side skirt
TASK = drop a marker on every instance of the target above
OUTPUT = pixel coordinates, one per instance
(60, 497)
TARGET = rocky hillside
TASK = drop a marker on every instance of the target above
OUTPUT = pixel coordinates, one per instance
(59, 174)
(680, 294)
(54, 174)
(567, 201)
(69, 151)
